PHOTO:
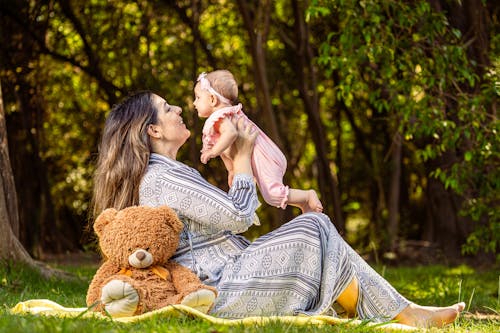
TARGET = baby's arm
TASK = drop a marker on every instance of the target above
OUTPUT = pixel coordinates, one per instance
(228, 133)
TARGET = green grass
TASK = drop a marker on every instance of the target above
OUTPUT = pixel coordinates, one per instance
(436, 285)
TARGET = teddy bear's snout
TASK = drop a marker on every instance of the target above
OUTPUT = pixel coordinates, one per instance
(140, 255)
(140, 259)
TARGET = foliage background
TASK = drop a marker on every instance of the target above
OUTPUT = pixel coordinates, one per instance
(387, 108)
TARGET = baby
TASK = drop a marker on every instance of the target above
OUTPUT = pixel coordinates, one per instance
(215, 96)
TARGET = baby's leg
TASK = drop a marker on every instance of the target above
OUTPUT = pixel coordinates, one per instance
(313, 202)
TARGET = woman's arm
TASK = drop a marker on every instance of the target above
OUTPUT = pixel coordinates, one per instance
(228, 163)
(228, 134)
(195, 200)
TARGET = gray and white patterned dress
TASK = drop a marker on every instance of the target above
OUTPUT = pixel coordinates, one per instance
(299, 268)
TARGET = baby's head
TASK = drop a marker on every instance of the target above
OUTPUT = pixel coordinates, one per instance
(220, 83)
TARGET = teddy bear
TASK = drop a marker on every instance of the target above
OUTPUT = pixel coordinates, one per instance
(137, 274)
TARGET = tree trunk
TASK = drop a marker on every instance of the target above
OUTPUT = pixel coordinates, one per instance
(256, 22)
(23, 38)
(444, 214)
(471, 18)
(37, 216)
(450, 230)
(8, 187)
(307, 86)
(394, 191)
(10, 247)
(257, 29)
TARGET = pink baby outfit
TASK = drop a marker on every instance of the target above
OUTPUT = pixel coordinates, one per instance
(268, 162)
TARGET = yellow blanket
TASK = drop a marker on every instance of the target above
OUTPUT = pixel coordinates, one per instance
(47, 307)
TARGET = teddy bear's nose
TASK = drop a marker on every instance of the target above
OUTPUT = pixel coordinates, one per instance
(140, 255)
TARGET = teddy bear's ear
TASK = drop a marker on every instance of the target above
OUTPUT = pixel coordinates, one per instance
(103, 220)
(172, 219)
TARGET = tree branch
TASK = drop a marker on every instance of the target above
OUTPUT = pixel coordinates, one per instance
(94, 72)
(192, 24)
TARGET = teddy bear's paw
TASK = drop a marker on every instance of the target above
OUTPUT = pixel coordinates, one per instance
(200, 300)
(119, 298)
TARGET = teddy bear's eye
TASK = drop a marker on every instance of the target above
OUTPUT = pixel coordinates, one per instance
(147, 249)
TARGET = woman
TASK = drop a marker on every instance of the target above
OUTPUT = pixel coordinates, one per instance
(303, 267)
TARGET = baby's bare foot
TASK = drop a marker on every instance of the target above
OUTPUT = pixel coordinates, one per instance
(429, 316)
(312, 204)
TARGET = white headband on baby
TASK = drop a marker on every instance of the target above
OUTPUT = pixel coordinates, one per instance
(205, 84)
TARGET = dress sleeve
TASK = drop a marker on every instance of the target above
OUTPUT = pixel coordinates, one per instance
(205, 207)
(216, 117)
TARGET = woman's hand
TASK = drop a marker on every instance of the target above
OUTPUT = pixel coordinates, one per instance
(241, 150)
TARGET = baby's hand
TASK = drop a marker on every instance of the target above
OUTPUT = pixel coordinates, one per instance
(245, 141)
(205, 157)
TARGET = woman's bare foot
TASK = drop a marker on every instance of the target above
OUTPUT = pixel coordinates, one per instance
(429, 316)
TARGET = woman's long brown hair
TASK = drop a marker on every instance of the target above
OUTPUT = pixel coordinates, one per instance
(123, 153)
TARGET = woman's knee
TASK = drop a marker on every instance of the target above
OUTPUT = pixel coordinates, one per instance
(320, 220)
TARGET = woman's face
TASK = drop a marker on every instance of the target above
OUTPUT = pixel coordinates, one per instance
(170, 123)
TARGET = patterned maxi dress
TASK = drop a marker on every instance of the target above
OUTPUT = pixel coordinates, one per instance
(299, 268)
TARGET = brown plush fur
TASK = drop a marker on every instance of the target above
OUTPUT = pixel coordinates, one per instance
(156, 230)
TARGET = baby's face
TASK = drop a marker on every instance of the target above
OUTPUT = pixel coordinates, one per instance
(202, 102)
